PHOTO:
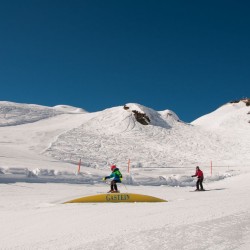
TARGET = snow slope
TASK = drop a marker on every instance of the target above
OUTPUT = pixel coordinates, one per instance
(39, 151)
(115, 136)
(232, 123)
(33, 217)
(27, 130)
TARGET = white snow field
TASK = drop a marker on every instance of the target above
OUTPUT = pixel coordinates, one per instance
(40, 148)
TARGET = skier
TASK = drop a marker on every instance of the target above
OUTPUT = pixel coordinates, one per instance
(117, 178)
(200, 178)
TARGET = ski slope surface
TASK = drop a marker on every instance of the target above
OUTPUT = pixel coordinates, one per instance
(40, 149)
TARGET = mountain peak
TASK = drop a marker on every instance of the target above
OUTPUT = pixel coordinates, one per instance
(148, 116)
(244, 100)
(233, 115)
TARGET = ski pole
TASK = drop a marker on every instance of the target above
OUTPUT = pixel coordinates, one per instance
(105, 181)
(125, 186)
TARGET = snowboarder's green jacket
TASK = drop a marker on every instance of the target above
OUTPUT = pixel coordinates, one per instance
(116, 175)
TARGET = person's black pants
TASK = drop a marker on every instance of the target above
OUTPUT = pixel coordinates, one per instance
(199, 183)
(113, 185)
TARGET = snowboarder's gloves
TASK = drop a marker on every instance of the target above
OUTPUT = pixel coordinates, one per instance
(104, 178)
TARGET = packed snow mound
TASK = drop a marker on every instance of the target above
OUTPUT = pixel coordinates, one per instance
(16, 113)
(231, 116)
(69, 109)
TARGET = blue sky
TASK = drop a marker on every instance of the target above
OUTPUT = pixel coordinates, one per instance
(187, 56)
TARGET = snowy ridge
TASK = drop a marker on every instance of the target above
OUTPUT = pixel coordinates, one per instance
(69, 109)
(229, 116)
(12, 114)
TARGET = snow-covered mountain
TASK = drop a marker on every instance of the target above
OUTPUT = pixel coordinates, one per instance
(114, 135)
(147, 137)
(39, 144)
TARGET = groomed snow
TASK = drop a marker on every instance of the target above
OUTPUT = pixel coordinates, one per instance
(33, 217)
(39, 152)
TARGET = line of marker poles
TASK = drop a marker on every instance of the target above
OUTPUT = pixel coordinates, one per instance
(80, 161)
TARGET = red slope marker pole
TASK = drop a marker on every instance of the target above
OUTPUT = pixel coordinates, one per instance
(128, 164)
(79, 166)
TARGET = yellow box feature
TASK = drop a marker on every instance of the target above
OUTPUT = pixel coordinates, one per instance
(116, 197)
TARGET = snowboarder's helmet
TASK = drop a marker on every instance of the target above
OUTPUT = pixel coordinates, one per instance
(113, 167)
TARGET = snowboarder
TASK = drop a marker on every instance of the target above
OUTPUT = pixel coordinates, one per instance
(200, 177)
(117, 178)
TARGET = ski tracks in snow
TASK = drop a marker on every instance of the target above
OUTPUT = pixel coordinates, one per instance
(225, 233)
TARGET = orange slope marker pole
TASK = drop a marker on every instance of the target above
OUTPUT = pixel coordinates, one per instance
(79, 166)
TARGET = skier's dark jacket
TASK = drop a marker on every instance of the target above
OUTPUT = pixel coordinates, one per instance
(116, 175)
